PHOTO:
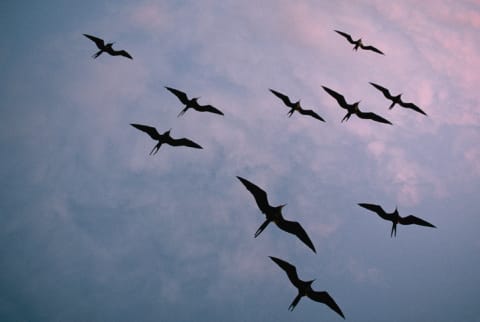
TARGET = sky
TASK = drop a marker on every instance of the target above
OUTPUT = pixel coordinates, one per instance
(95, 229)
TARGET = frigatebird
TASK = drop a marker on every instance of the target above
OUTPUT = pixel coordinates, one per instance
(164, 138)
(353, 108)
(358, 43)
(275, 214)
(295, 106)
(192, 103)
(395, 218)
(305, 288)
(106, 48)
(397, 99)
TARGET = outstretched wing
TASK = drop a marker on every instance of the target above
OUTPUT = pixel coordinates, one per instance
(259, 195)
(148, 129)
(413, 107)
(372, 116)
(99, 42)
(120, 53)
(295, 228)
(312, 114)
(337, 96)
(372, 49)
(288, 268)
(179, 94)
(409, 220)
(183, 142)
(344, 34)
(377, 209)
(208, 108)
(325, 298)
(385, 91)
(283, 97)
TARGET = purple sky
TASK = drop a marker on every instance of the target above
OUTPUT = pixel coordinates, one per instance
(93, 228)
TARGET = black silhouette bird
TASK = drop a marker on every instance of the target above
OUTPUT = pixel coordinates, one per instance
(275, 214)
(192, 103)
(305, 288)
(295, 106)
(164, 138)
(395, 218)
(397, 99)
(358, 43)
(353, 108)
(106, 48)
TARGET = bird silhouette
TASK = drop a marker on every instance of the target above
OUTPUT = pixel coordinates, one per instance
(397, 99)
(192, 103)
(275, 214)
(106, 48)
(395, 218)
(358, 43)
(305, 288)
(353, 108)
(164, 138)
(295, 106)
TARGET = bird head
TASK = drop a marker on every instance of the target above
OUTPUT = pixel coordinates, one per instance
(167, 132)
(310, 282)
(396, 210)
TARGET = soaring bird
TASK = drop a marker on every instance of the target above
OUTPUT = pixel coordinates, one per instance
(353, 108)
(305, 288)
(395, 218)
(275, 214)
(295, 106)
(106, 48)
(397, 99)
(358, 43)
(164, 138)
(192, 103)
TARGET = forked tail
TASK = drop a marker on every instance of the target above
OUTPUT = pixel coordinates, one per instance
(262, 227)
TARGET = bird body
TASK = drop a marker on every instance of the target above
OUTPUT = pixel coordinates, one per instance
(295, 106)
(164, 138)
(358, 43)
(353, 108)
(305, 288)
(106, 48)
(192, 103)
(397, 99)
(274, 214)
(395, 217)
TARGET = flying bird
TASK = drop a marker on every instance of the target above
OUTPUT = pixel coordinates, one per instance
(395, 218)
(295, 106)
(358, 43)
(164, 138)
(305, 288)
(192, 103)
(353, 108)
(106, 48)
(397, 99)
(275, 214)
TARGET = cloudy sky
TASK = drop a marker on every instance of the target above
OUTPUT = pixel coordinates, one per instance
(95, 229)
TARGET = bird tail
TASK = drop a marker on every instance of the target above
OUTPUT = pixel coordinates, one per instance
(97, 54)
(262, 227)
(182, 111)
(155, 149)
(290, 113)
(391, 106)
(394, 230)
(346, 117)
(295, 302)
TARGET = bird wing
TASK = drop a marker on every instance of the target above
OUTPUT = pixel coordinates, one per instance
(183, 142)
(99, 42)
(377, 209)
(339, 97)
(409, 220)
(325, 298)
(288, 268)
(284, 98)
(259, 195)
(120, 53)
(208, 108)
(372, 116)
(413, 107)
(372, 49)
(344, 34)
(148, 129)
(179, 94)
(296, 229)
(312, 114)
(385, 91)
